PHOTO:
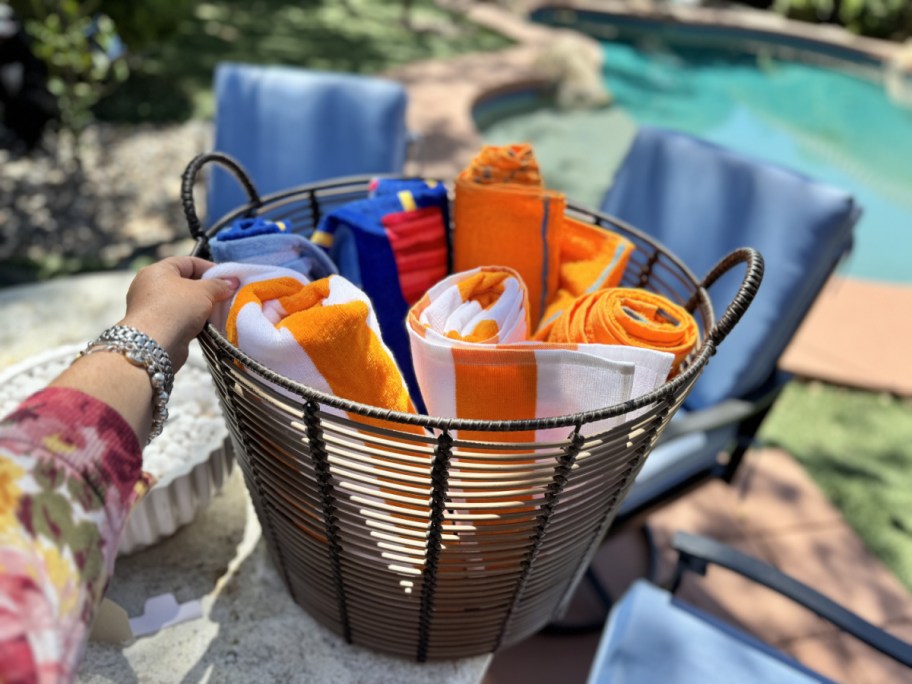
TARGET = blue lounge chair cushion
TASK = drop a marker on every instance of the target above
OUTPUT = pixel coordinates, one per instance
(651, 637)
(702, 201)
(290, 126)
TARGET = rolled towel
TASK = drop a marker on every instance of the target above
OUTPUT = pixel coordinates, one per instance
(324, 334)
(260, 241)
(628, 316)
(503, 215)
(591, 259)
(468, 336)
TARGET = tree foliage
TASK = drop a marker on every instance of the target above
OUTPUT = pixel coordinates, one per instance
(83, 54)
(890, 19)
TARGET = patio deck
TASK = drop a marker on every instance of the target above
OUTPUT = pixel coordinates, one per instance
(774, 511)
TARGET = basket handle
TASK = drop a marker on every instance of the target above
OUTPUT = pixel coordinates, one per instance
(746, 292)
(188, 180)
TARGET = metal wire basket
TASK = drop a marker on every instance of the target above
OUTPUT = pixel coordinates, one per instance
(435, 546)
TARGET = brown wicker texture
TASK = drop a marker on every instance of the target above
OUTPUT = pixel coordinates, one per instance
(433, 546)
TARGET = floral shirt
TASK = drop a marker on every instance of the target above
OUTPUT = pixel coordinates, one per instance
(70, 470)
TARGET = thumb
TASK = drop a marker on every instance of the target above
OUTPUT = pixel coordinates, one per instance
(220, 289)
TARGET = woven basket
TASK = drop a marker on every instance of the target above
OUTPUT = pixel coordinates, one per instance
(467, 546)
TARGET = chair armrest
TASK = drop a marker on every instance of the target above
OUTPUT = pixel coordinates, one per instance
(728, 411)
(708, 419)
(697, 552)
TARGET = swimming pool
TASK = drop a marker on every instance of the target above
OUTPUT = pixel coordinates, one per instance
(830, 123)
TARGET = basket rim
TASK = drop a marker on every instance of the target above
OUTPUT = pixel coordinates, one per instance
(699, 358)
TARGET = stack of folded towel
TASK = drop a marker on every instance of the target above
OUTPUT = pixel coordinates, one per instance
(532, 324)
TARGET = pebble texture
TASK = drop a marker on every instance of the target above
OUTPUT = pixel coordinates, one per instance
(124, 203)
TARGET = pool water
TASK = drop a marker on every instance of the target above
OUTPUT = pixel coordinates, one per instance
(829, 124)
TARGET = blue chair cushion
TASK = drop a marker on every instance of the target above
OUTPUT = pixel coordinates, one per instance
(652, 637)
(703, 201)
(290, 126)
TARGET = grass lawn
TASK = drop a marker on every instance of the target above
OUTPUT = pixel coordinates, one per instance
(173, 81)
(858, 448)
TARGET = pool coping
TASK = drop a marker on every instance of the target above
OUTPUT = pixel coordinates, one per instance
(739, 19)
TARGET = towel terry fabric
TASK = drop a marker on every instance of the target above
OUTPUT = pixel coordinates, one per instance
(260, 241)
(323, 334)
(473, 360)
(504, 215)
(591, 259)
(393, 246)
(628, 316)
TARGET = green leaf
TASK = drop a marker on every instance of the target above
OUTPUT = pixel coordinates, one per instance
(83, 493)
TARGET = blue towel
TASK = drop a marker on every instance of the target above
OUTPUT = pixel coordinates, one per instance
(357, 241)
(259, 241)
(437, 192)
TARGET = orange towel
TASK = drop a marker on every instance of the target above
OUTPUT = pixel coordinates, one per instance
(503, 215)
(631, 317)
(591, 259)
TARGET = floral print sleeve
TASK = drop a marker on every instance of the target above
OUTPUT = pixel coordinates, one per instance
(70, 470)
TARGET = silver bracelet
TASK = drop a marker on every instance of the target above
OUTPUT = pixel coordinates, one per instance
(144, 352)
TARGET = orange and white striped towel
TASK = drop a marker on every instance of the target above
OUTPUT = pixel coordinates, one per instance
(324, 334)
(472, 358)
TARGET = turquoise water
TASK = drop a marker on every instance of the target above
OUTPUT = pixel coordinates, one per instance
(833, 126)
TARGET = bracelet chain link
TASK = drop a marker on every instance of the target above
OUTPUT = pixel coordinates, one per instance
(144, 352)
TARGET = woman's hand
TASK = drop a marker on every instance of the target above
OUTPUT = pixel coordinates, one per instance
(170, 303)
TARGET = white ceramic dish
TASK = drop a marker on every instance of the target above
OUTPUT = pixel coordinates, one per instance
(191, 459)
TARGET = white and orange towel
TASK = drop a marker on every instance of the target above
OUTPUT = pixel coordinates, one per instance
(469, 345)
(324, 334)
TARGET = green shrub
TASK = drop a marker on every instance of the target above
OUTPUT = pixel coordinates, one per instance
(876, 18)
(805, 10)
(84, 61)
(141, 24)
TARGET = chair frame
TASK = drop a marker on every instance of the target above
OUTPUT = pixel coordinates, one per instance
(697, 553)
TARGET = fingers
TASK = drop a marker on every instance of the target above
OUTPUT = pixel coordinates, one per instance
(188, 266)
(220, 289)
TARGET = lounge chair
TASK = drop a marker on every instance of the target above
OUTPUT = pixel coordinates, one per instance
(702, 201)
